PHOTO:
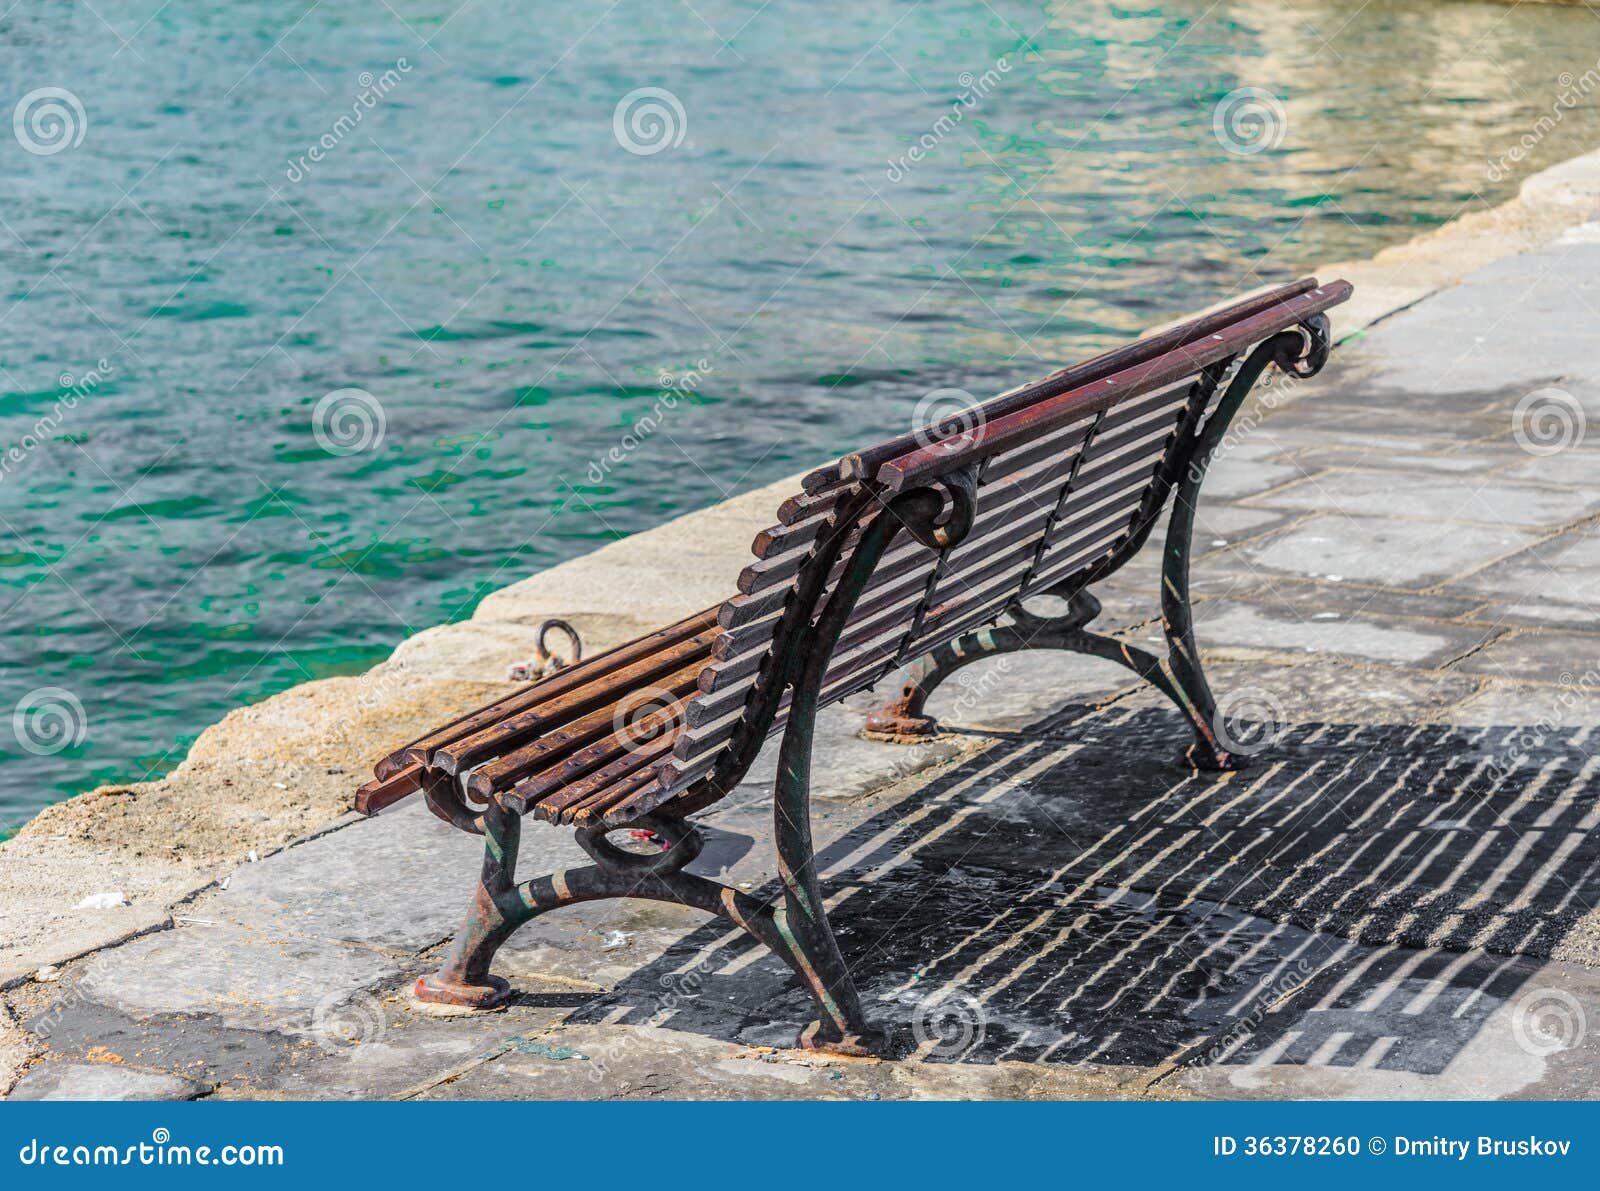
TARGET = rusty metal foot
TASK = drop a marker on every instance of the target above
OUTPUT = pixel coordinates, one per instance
(820, 1037)
(1207, 759)
(438, 991)
(891, 726)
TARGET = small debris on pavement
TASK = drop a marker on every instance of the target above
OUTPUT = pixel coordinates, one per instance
(528, 1046)
(109, 900)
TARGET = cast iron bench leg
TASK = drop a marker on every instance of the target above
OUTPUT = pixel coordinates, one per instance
(464, 983)
(905, 720)
(803, 921)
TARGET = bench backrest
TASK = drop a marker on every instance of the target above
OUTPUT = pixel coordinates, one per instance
(1069, 474)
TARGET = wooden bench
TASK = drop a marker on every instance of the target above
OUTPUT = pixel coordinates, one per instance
(920, 551)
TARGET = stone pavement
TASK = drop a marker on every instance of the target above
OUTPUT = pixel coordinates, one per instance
(1397, 575)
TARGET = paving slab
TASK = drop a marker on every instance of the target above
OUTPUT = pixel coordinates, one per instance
(1436, 498)
(406, 1052)
(102, 1081)
(1562, 659)
(60, 873)
(243, 978)
(1380, 550)
(400, 881)
(1321, 433)
(1564, 568)
(1386, 461)
(1237, 628)
(1506, 703)
(1233, 476)
(1321, 691)
(1293, 597)
(1229, 522)
(1574, 466)
(1524, 343)
(198, 1048)
(1536, 612)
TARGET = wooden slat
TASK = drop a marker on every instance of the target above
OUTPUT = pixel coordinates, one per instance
(601, 757)
(806, 504)
(865, 464)
(780, 538)
(568, 795)
(552, 745)
(1064, 566)
(601, 666)
(998, 434)
(590, 811)
(514, 731)
(386, 791)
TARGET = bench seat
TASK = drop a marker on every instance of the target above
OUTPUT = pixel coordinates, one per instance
(574, 748)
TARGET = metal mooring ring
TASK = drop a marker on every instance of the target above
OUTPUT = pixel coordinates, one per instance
(544, 661)
(683, 845)
(543, 653)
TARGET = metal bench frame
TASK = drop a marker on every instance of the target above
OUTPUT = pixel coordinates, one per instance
(936, 509)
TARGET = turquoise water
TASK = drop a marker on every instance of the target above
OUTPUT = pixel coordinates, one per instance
(186, 284)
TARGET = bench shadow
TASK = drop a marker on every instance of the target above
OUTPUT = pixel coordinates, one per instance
(1363, 895)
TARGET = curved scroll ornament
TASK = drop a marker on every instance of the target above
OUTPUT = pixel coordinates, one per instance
(442, 792)
(961, 490)
(1317, 333)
